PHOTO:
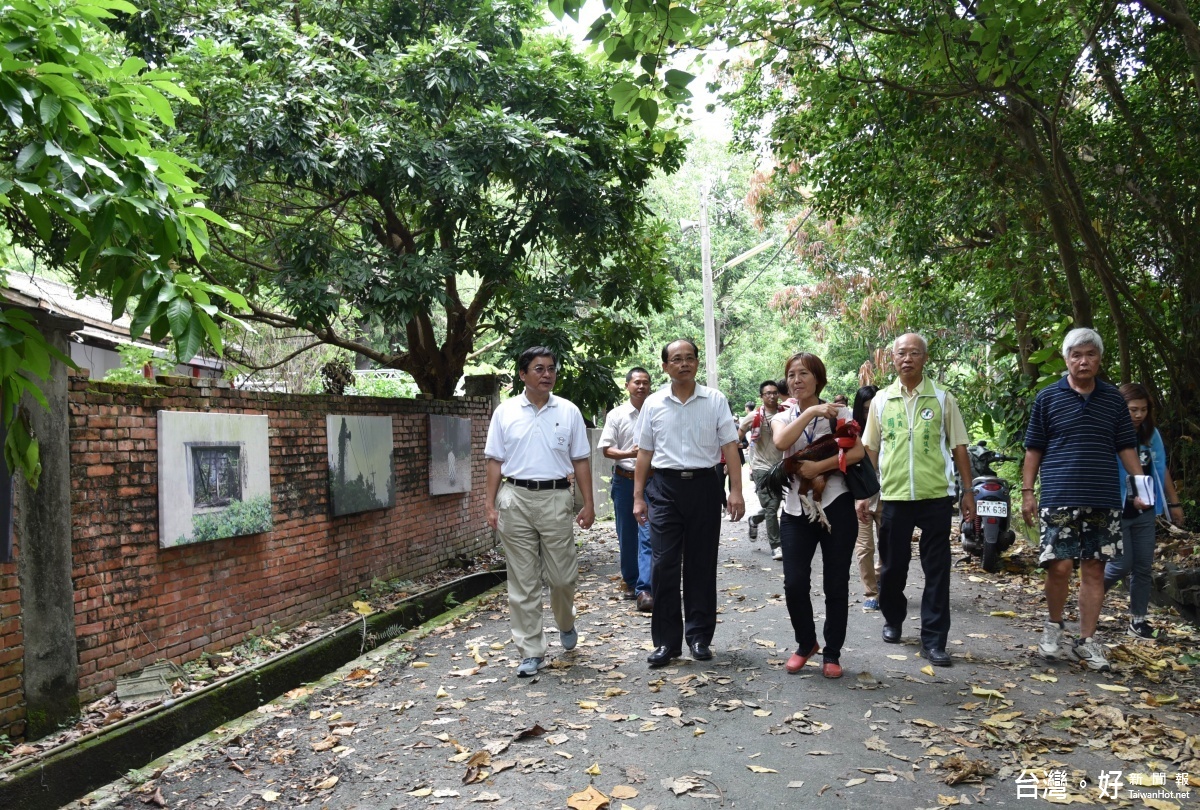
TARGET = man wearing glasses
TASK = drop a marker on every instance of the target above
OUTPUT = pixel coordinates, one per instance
(535, 440)
(915, 436)
(681, 432)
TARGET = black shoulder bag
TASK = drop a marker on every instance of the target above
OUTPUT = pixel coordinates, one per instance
(861, 478)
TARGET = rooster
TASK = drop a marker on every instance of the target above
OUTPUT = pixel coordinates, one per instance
(811, 489)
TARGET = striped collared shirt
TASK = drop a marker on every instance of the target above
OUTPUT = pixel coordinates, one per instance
(1078, 436)
(685, 435)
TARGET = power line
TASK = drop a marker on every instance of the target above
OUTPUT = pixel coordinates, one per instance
(774, 256)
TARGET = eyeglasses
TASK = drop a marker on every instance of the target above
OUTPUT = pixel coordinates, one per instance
(679, 360)
(540, 370)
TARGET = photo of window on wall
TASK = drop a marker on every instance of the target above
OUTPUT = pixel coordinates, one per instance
(361, 469)
(213, 477)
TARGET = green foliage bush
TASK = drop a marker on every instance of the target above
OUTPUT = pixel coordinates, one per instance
(242, 517)
(133, 361)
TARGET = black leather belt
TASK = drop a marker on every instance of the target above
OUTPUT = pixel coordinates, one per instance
(699, 473)
(561, 483)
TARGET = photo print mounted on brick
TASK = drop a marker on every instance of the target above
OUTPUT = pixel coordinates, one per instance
(362, 471)
(449, 454)
(214, 477)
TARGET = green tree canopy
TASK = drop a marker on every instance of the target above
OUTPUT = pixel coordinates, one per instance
(412, 178)
(88, 183)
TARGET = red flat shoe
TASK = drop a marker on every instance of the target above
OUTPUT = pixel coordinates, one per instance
(797, 661)
(831, 669)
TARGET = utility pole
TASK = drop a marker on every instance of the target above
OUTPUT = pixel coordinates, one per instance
(710, 324)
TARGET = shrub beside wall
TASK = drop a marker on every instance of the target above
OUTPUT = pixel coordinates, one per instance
(136, 603)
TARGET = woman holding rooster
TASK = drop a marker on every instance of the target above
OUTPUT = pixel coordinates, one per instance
(818, 510)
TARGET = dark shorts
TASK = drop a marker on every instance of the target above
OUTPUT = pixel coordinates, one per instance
(1079, 533)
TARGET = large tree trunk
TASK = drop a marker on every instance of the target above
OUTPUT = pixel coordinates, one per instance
(1021, 118)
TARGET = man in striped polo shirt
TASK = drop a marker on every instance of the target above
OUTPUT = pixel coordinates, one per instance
(1075, 427)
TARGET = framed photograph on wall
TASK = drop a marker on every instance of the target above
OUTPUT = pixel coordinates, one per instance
(362, 472)
(449, 454)
(214, 477)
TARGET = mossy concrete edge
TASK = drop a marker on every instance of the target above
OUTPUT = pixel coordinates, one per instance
(59, 778)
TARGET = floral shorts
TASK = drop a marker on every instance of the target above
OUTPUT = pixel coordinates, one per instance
(1079, 533)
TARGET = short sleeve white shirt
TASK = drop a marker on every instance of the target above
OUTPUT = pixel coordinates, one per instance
(685, 435)
(537, 445)
(835, 484)
(618, 432)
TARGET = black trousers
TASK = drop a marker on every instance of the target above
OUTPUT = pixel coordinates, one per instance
(685, 529)
(932, 517)
(799, 538)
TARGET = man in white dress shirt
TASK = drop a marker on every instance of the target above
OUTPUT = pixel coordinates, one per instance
(617, 442)
(534, 442)
(681, 432)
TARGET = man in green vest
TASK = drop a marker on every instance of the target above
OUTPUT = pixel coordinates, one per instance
(915, 436)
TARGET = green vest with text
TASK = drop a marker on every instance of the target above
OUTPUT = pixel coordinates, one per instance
(914, 460)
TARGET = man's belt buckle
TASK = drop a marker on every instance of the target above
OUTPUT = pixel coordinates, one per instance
(687, 474)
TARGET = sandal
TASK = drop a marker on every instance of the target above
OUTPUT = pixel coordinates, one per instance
(797, 661)
(831, 668)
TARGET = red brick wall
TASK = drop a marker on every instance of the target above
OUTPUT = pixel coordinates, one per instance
(12, 651)
(136, 603)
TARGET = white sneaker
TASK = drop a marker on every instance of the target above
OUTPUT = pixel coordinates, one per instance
(529, 667)
(1051, 638)
(777, 554)
(1092, 655)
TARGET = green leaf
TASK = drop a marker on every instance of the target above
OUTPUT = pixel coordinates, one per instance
(158, 103)
(49, 108)
(189, 344)
(649, 111)
(678, 78)
(37, 215)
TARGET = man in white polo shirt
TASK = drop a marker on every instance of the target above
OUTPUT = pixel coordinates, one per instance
(618, 443)
(681, 433)
(534, 442)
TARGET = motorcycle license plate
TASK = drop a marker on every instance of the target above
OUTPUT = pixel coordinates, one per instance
(991, 509)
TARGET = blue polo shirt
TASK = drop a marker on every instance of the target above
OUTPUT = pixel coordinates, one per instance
(1078, 436)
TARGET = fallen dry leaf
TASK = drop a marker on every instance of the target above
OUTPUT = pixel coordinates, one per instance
(326, 784)
(761, 769)
(590, 799)
(1038, 676)
(594, 770)
(979, 691)
(947, 801)
(362, 608)
(358, 674)
(421, 793)
(269, 795)
(156, 799)
(855, 781)
(1112, 687)
(927, 670)
(623, 792)
(488, 797)
(683, 784)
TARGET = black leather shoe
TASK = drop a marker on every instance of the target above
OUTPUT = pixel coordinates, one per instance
(700, 651)
(891, 634)
(661, 657)
(937, 657)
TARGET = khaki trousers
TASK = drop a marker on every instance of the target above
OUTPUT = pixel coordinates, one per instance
(537, 534)
(868, 561)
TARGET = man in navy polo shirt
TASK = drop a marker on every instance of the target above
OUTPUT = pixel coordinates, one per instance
(1075, 427)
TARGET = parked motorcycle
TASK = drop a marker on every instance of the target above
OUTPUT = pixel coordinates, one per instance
(988, 535)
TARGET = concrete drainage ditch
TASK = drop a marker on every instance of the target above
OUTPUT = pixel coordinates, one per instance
(63, 774)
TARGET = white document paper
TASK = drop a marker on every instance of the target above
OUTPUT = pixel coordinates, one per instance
(1143, 488)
